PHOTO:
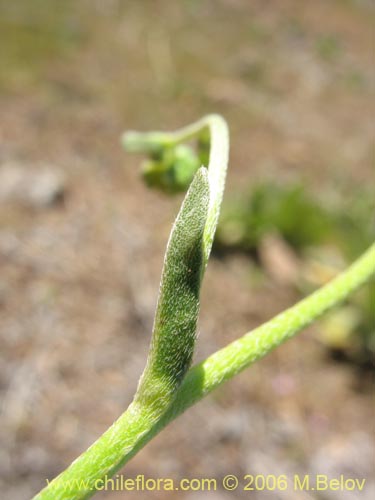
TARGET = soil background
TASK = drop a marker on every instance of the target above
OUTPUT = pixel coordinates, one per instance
(82, 239)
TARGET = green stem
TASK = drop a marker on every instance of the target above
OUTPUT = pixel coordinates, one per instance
(127, 435)
(240, 354)
(174, 331)
(141, 422)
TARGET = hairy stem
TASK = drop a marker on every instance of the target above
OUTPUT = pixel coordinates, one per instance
(165, 391)
(174, 332)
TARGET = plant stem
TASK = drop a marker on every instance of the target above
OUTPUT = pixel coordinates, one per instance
(151, 411)
(235, 357)
(127, 435)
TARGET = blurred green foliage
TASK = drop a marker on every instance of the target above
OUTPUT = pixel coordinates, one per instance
(270, 207)
(33, 33)
(302, 220)
(328, 47)
(341, 220)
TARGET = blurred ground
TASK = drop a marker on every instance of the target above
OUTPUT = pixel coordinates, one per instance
(82, 240)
